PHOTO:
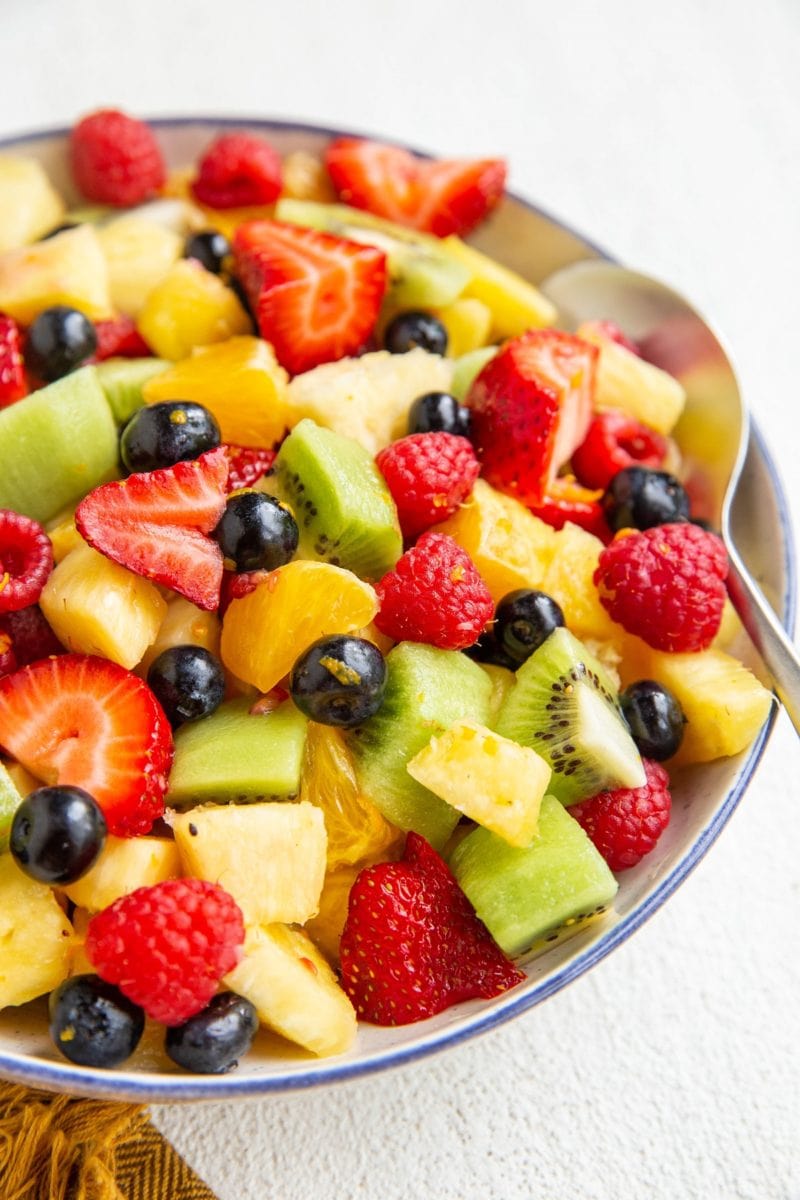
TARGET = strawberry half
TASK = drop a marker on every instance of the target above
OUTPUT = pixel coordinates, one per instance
(567, 501)
(118, 337)
(13, 384)
(247, 464)
(77, 719)
(531, 406)
(437, 196)
(315, 297)
(156, 524)
(412, 944)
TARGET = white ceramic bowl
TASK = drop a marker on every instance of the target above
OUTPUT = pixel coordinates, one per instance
(704, 797)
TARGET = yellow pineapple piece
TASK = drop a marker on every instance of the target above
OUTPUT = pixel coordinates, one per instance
(468, 323)
(239, 381)
(627, 382)
(35, 936)
(64, 538)
(568, 579)
(269, 856)
(326, 927)
(96, 606)
(190, 307)
(184, 624)
(29, 204)
(294, 990)
(515, 304)
(139, 254)
(66, 269)
(264, 632)
(305, 178)
(125, 864)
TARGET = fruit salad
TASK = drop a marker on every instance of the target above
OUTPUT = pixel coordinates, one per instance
(353, 614)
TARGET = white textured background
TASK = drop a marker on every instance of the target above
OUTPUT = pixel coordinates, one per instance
(671, 134)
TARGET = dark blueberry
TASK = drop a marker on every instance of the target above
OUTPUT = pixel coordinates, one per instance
(59, 340)
(438, 412)
(210, 248)
(410, 329)
(188, 681)
(66, 225)
(339, 681)
(160, 435)
(213, 1041)
(638, 498)
(92, 1023)
(256, 533)
(57, 833)
(486, 650)
(654, 717)
(523, 620)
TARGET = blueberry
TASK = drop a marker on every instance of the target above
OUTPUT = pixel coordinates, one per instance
(638, 498)
(213, 1041)
(210, 249)
(160, 435)
(438, 412)
(486, 650)
(413, 328)
(523, 621)
(654, 717)
(256, 533)
(92, 1023)
(339, 681)
(57, 834)
(188, 681)
(59, 340)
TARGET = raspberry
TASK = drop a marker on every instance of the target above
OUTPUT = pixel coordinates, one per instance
(13, 384)
(236, 170)
(27, 637)
(429, 476)
(434, 595)
(116, 159)
(119, 338)
(166, 947)
(614, 441)
(247, 464)
(626, 824)
(666, 585)
(26, 560)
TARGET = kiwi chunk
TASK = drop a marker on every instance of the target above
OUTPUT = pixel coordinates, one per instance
(522, 895)
(238, 757)
(122, 380)
(467, 368)
(564, 705)
(343, 507)
(10, 801)
(427, 690)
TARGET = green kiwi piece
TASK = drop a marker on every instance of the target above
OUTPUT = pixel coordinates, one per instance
(564, 705)
(426, 691)
(559, 882)
(122, 380)
(10, 801)
(343, 508)
(467, 367)
(238, 757)
(56, 445)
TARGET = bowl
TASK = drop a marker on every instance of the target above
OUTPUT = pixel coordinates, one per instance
(522, 236)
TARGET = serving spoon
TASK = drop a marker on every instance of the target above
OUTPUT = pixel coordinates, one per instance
(713, 432)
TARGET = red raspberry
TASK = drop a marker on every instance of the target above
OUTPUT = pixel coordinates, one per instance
(13, 384)
(666, 585)
(434, 595)
(27, 637)
(116, 159)
(119, 338)
(238, 169)
(26, 560)
(626, 824)
(166, 947)
(614, 441)
(247, 464)
(429, 476)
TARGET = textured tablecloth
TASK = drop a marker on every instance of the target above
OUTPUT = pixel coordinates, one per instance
(670, 134)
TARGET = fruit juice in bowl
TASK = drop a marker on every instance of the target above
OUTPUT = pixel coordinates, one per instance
(364, 675)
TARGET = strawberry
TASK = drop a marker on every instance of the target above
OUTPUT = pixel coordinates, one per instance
(77, 719)
(316, 297)
(157, 523)
(531, 406)
(118, 337)
(441, 197)
(13, 385)
(567, 500)
(247, 464)
(412, 944)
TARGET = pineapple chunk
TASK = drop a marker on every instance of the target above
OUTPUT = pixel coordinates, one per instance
(468, 323)
(184, 625)
(294, 990)
(35, 935)
(139, 254)
(190, 307)
(627, 382)
(64, 538)
(515, 304)
(66, 269)
(569, 580)
(489, 778)
(29, 204)
(124, 865)
(270, 856)
(96, 606)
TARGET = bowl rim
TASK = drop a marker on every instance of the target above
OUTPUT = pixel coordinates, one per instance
(152, 1087)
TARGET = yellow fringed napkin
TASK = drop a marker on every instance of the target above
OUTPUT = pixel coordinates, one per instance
(60, 1148)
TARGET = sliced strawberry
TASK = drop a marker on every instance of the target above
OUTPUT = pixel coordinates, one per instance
(119, 338)
(82, 720)
(316, 297)
(531, 406)
(13, 384)
(440, 197)
(247, 464)
(567, 501)
(157, 523)
(412, 944)
(616, 440)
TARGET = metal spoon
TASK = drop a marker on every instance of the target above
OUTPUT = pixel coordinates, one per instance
(713, 431)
